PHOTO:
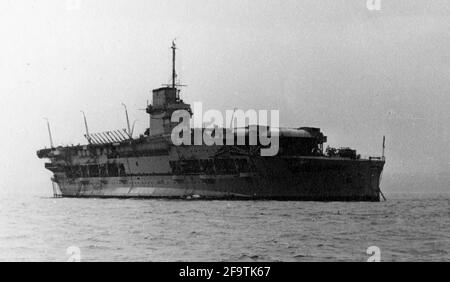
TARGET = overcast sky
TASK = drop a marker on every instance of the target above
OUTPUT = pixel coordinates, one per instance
(333, 64)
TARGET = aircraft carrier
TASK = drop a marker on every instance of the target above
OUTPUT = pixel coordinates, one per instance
(116, 164)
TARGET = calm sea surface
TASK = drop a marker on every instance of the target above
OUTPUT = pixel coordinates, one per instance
(405, 228)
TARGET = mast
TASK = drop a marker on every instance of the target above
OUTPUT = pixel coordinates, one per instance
(149, 118)
(88, 137)
(128, 121)
(49, 133)
(174, 74)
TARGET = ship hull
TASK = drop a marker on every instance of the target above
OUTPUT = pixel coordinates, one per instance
(174, 160)
(300, 178)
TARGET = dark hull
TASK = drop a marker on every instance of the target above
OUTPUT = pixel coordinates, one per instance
(290, 178)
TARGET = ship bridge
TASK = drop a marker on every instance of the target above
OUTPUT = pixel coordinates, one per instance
(166, 100)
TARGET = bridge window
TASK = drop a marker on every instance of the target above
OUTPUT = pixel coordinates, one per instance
(242, 165)
(122, 170)
(93, 170)
(113, 170)
(191, 166)
(84, 171)
(103, 170)
(207, 166)
(225, 166)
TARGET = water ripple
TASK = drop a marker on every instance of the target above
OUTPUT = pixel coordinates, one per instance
(41, 229)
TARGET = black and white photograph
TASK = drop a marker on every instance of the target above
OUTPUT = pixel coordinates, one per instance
(248, 132)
